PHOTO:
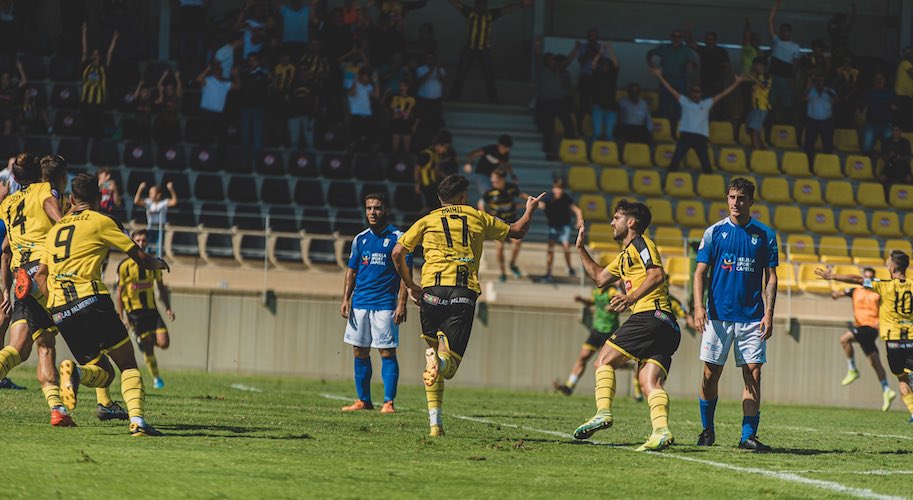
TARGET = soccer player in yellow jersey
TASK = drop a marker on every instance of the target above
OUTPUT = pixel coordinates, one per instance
(135, 304)
(80, 305)
(650, 336)
(895, 317)
(452, 237)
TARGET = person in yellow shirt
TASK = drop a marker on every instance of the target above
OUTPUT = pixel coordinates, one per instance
(402, 120)
(903, 87)
(650, 336)
(760, 101)
(452, 238)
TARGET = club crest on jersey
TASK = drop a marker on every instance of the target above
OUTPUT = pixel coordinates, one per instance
(754, 239)
(365, 258)
(386, 242)
(728, 261)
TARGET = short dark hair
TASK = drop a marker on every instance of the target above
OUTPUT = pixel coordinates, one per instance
(741, 185)
(900, 259)
(637, 211)
(451, 187)
(506, 140)
(868, 270)
(26, 168)
(85, 188)
(786, 26)
(138, 232)
(381, 197)
(499, 172)
(443, 137)
(711, 33)
(53, 167)
(633, 86)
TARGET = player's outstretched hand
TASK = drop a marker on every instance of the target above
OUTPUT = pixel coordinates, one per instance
(532, 203)
(581, 236)
(399, 315)
(825, 273)
(415, 293)
(766, 327)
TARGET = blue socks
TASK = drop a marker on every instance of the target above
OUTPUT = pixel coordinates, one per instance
(750, 426)
(708, 409)
(390, 372)
(363, 379)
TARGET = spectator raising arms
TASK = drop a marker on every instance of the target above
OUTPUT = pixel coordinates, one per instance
(605, 82)
(361, 118)
(94, 84)
(714, 59)
(156, 212)
(552, 97)
(402, 120)
(675, 60)
(784, 55)
(167, 125)
(214, 93)
(9, 97)
(636, 125)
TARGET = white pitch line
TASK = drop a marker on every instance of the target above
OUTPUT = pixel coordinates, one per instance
(809, 429)
(783, 476)
(879, 472)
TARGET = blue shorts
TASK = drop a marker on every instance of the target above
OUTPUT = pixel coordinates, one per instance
(560, 234)
(755, 120)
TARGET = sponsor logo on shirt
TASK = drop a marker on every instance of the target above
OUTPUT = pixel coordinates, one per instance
(728, 261)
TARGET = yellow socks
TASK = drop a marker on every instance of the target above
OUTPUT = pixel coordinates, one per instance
(103, 395)
(435, 395)
(52, 394)
(449, 363)
(131, 386)
(605, 387)
(659, 409)
(635, 385)
(9, 359)
(908, 400)
(152, 364)
(93, 376)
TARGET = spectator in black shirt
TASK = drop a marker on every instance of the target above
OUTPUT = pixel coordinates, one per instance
(559, 205)
(589, 52)
(896, 154)
(605, 82)
(500, 200)
(715, 63)
(167, 125)
(491, 157)
(880, 104)
(255, 81)
(301, 107)
(552, 96)
(839, 28)
(385, 41)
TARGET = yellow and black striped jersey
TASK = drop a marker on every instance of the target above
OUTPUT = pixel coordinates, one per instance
(76, 248)
(427, 165)
(27, 224)
(631, 266)
(94, 84)
(478, 27)
(284, 76)
(895, 314)
(452, 237)
(136, 286)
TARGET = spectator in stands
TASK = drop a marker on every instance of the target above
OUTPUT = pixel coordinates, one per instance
(33, 112)
(385, 42)
(903, 87)
(167, 125)
(839, 29)
(605, 83)
(226, 54)
(110, 194)
(10, 97)
(296, 24)
(214, 93)
(586, 88)
(559, 205)
(896, 154)
(255, 82)
(694, 128)
(335, 36)
(94, 84)
(429, 108)
(137, 123)
(351, 63)
(156, 212)
(635, 123)
(425, 44)
(760, 102)
(402, 121)
(490, 157)
(283, 77)
(479, 20)
(396, 10)
(783, 57)
(751, 50)
(675, 60)
(815, 64)
(500, 200)
(819, 111)
(317, 65)
(715, 65)
(880, 104)
(392, 76)
(361, 118)
(846, 84)
(252, 23)
(552, 97)
(192, 22)
(302, 104)
(428, 174)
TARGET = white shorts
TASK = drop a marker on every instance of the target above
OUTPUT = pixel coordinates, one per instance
(719, 336)
(372, 329)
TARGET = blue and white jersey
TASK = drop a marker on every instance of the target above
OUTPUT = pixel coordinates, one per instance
(737, 257)
(376, 280)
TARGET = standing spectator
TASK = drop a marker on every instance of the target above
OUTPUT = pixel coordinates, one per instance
(402, 122)
(255, 81)
(94, 84)
(156, 212)
(559, 205)
(392, 76)
(429, 108)
(815, 64)
(425, 44)
(635, 123)
(588, 54)
(751, 50)
(9, 97)
(479, 20)
(110, 194)
(33, 114)
(896, 154)
(193, 29)
(302, 105)
(226, 54)
(361, 118)
(675, 59)
(296, 25)
(880, 104)
(820, 117)
(386, 42)
(846, 84)
(252, 24)
(694, 128)
(605, 83)
(783, 57)
(214, 92)
(500, 200)
(283, 77)
(428, 174)
(491, 157)
(903, 87)
(167, 125)
(839, 29)
(552, 97)
(714, 59)
(760, 102)
(137, 124)
(335, 36)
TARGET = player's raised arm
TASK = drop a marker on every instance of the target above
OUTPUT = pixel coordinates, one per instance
(828, 274)
(519, 228)
(600, 275)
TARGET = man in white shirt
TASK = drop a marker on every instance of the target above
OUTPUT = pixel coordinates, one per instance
(361, 118)
(819, 117)
(226, 54)
(156, 213)
(214, 92)
(430, 83)
(783, 57)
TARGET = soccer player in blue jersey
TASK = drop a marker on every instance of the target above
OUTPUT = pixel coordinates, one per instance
(740, 255)
(374, 302)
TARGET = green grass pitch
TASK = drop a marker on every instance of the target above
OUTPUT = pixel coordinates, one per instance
(270, 437)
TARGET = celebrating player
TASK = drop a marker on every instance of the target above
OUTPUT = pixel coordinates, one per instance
(649, 337)
(737, 251)
(501, 201)
(452, 237)
(374, 302)
(80, 305)
(895, 317)
(135, 304)
(865, 332)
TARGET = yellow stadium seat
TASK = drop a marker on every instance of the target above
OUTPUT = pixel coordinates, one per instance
(594, 208)
(678, 270)
(828, 166)
(908, 225)
(662, 130)
(573, 151)
(865, 252)
(775, 190)
(692, 161)
(711, 187)
(846, 140)
(820, 220)
(601, 236)
(886, 224)
(582, 179)
(680, 185)
(859, 167)
(696, 234)
(732, 160)
(614, 181)
(784, 137)
(801, 248)
(718, 211)
(605, 153)
(690, 213)
(761, 213)
(839, 194)
(901, 196)
(661, 211)
(833, 250)
(895, 244)
(853, 222)
(871, 195)
(788, 219)
(809, 282)
(882, 272)
(795, 163)
(669, 241)
(652, 98)
(721, 133)
(764, 162)
(586, 128)
(662, 155)
(637, 155)
(647, 183)
(807, 192)
(845, 268)
(786, 277)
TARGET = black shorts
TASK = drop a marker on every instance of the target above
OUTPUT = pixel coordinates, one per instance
(866, 336)
(596, 340)
(146, 322)
(28, 310)
(401, 127)
(648, 337)
(90, 327)
(900, 356)
(448, 310)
